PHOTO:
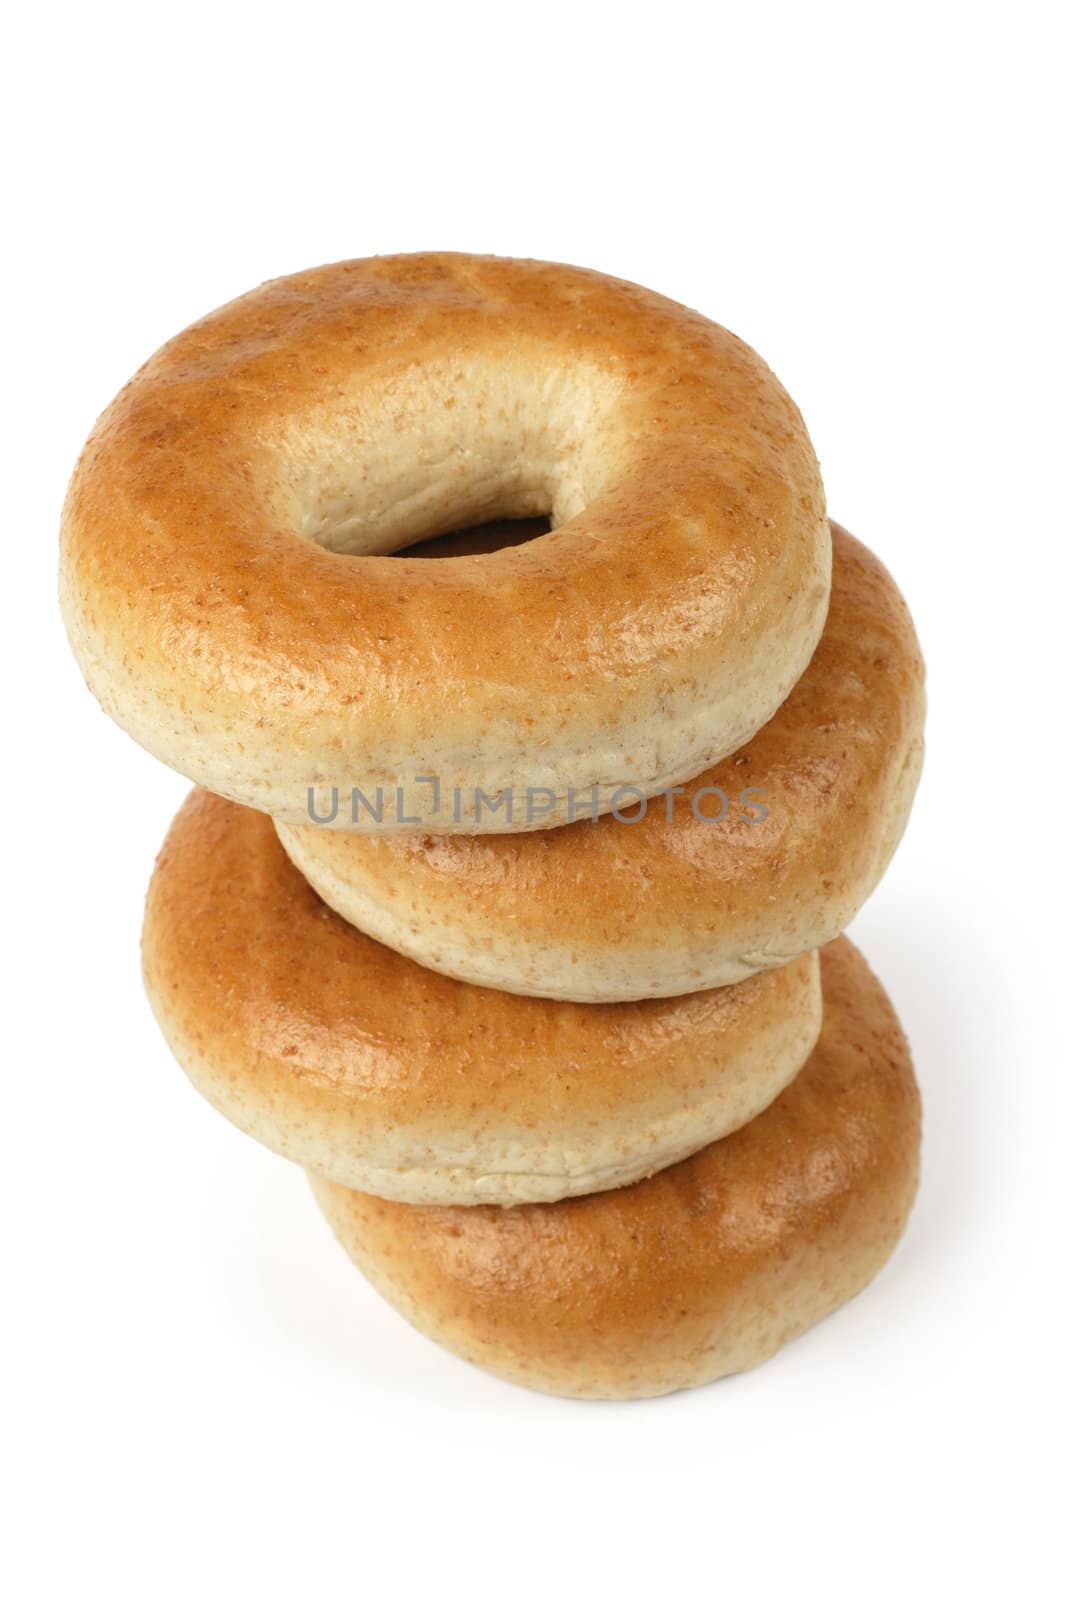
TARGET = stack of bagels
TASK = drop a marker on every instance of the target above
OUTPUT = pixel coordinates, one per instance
(509, 902)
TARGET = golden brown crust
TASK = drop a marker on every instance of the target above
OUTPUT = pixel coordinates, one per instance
(360, 406)
(704, 1269)
(346, 1057)
(618, 910)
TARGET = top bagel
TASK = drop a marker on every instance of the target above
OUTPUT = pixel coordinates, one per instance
(218, 571)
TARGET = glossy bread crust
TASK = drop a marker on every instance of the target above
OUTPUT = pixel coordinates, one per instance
(218, 573)
(705, 1269)
(668, 903)
(348, 1058)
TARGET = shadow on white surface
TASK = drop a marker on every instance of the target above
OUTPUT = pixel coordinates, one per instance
(935, 960)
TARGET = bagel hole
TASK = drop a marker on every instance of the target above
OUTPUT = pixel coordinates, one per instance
(480, 540)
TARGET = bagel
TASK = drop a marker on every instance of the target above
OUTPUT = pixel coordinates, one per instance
(627, 907)
(219, 579)
(353, 1061)
(708, 1267)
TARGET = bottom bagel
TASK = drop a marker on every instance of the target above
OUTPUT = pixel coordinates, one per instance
(704, 1269)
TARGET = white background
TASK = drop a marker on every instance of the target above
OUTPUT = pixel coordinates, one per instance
(205, 1398)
